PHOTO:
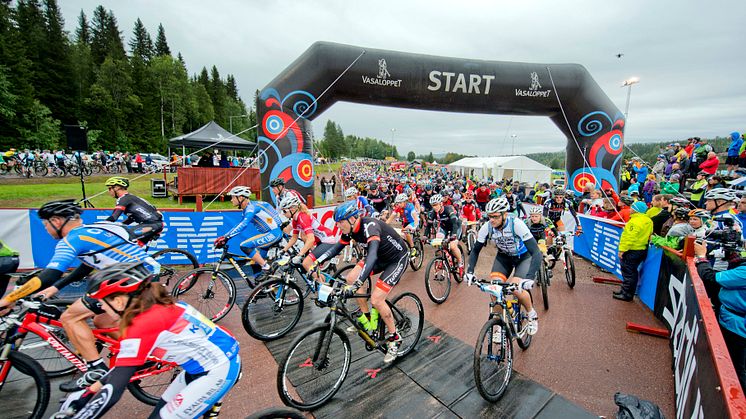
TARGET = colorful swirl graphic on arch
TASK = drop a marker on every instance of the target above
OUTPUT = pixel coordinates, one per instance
(606, 148)
(282, 131)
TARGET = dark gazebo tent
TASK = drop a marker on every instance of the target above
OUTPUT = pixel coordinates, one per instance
(207, 136)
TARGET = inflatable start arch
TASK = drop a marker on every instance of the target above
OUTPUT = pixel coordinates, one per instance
(328, 72)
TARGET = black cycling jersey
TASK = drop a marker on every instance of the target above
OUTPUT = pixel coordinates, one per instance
(136, 210)
(553, 210)
(446, 220)
(425, 199)
(538, 230)
(515, 204)
(379, 201)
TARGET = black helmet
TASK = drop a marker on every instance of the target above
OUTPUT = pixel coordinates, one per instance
(628, 200)
(681, 213)
(277, 182)
(65, 208)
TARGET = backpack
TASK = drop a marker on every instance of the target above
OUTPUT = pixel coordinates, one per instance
(632, 407)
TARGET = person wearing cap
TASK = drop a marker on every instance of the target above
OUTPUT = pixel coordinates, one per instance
(698, 188)
(633, 249)
(734, 148)
(710, 165)
(660, 166)
(680, 228)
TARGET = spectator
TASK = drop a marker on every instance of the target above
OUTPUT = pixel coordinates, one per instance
(734, 149)
(649, 189)
(660, 166)
(482, 195)
(671, 187)
(224, 164)
(624, 210)
(710, 165)
(663, 215)
(206, 160)
(633, 249)
(698, 188)
(641, 170)
(139, 160)
(322, 184)
(656, 205)
(334, 185)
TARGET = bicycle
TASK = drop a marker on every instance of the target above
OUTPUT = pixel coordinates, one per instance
(493, 352)
(440, 269)
(40, 168)
(415, 261)
(543, 278)
(318, 352)
(568, 263)
(57, 170)
(41, 319)
(472, 228)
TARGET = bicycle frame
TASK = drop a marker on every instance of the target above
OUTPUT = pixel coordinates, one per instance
(231, 258)
(495, 290)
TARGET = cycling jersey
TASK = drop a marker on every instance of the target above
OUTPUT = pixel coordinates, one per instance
(470, 211)
(408, 215)
(515, 204)
(136, 210)
(378, 201)
(539, 230)
(286, 191)
(308, 224)
(363, 205)
(553, 210)
(509, 239)
(259, 214)
(446, 220)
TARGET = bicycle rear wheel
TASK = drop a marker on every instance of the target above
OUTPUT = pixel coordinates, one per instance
(41, 170)
(211, 293)
(438, 280)
(569, 268)
(409, 318)
(175, 263)
(416, 262)
(149, 389)
(306, 378)
(493, 360)
(272, 309)
(25, 392)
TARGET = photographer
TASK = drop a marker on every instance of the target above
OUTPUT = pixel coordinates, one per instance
(732, 308)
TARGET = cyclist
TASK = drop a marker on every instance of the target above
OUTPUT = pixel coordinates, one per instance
(514, 202)
(261, 222)
(517, 252)
(699, 219)
(317, 238)
(445, 221)
(387, 254)
(377, 198)
(405, 210)
(541, 228)
(149, 221)
(362, 202)
(469, 211)
(553, 209)
(279, 189)
(152, 322)
(27, 160)
(97, 246)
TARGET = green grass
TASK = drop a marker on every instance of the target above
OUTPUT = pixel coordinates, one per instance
(32, 193)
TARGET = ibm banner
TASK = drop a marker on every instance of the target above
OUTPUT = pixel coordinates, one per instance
(599, 242)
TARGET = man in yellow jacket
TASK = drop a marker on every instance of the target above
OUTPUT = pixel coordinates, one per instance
(633, 249)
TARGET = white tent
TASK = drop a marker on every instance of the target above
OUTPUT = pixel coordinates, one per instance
(519, 168)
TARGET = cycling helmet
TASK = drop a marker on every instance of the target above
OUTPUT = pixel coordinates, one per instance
(720, 193)
(277, 182)
(118, 181)
(468, 195)
(701, 213)
(123, 278)
(428, 187)
(436, 199)
(681, 213)
(290, 200)
(65, 208)
(350, 192)
(535, 209)
(497, 205)
(345, 210)
(679, 202)
(444, 193)
(372, 187)
(628, 200)
(402, 197)
(240, 191)
(559, 192)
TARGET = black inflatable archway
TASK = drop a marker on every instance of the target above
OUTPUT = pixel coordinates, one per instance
(312, 84)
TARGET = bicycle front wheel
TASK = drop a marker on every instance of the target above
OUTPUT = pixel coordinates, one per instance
(493, 360)
(409, 318)
(519, 317)
(175, 263)
(416, 262)
(25, 391)
(272, 309)
(149, 389)
(315, 367)
(569, 268)
(53, 363)
(211, 293)
(438, 280)
(544, 284)
(471, 238)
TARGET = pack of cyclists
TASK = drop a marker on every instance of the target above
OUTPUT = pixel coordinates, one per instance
(125, 292)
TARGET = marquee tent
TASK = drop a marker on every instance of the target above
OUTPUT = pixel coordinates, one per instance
(208, 135)
(519, 168)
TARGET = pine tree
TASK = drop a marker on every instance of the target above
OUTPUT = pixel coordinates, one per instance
(218, 96)
(99, 42)
(141, 46)
(58, 93)
(161, 45)
(231, 88)
(83, 33)
(114, 38)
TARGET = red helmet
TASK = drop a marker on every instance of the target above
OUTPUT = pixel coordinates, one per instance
(125, 278)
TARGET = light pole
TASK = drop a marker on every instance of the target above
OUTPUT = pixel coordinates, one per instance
(393, 130)
(230, 121)
(628, 84)
(513, 138)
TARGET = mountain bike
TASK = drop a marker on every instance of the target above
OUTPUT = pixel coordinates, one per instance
(493, 352)
(472, 228)
(440, 269)
(40, 168)
(415, 261)
(568, 263)
(318, 361)
(35, 317)
(57, 170)
(543, 278)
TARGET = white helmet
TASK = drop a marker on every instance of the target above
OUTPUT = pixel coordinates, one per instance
(240, 191)
(536, 209)
(436, 199)
(290, 200)
(721, 193)
(497, 205)
(402, 197)
(350, 192)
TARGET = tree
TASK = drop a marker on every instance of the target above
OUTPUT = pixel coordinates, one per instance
(44, 131)
(99, 41)
(219, 96)
(231, 88)
(83, 33)
(411, 156)
(161, 45)
(57, 92)
(141, 46)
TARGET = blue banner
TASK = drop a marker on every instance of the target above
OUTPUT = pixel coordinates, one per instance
(648, 285)
(599, 243)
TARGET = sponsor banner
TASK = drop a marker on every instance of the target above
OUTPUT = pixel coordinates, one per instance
(14, 232)
(647, 288)
(599, 243)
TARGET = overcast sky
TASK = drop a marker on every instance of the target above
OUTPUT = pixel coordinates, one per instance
(690, 57)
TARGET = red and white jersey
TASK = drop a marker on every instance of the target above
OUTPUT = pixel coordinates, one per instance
(176, 333)
(308, 224)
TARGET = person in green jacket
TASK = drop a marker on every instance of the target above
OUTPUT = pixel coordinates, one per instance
(671, 187)
(633, 249)
(698, 188)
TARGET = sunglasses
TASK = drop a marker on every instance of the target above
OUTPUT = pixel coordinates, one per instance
(495, 217)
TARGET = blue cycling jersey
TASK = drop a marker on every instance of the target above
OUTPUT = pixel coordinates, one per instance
(411, 217)
(88, 242)
(262, 215)
(364, 205)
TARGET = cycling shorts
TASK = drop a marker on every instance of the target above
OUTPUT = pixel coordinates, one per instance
(457, 233)
(391, 273)
(505, 264)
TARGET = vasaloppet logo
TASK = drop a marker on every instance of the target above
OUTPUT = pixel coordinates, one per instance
(383, 77)
(533, 88)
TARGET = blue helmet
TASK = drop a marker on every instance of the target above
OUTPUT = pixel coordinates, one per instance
(346, 210)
